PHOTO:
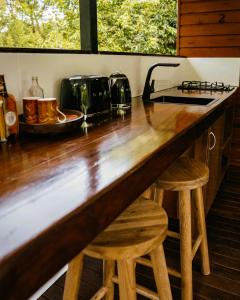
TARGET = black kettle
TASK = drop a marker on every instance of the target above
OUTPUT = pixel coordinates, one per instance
(120, 89)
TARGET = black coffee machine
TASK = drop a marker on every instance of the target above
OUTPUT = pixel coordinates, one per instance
(87, 93)
(120, 92)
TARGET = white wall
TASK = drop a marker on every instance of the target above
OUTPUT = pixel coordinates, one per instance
(166, 76)
(225, 70)
(51, 68)
(216, 69)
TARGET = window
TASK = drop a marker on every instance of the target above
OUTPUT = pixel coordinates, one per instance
(137, 26)
(40, 24)
(133, 26)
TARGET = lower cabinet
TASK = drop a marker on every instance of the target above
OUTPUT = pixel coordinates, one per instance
(213, 148)
(208, 149)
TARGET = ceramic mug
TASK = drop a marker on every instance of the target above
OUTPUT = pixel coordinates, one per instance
(48, 111)
(30, 109)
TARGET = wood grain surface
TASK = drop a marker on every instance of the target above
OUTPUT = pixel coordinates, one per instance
(137, 231)
(58, 192)
(184, 174)
(235, 147)
(223, 229)
(209, 28)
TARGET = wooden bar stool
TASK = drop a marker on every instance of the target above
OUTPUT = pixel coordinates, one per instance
(186, 175)
(139, 230)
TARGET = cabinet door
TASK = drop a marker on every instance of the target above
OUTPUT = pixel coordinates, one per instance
(201, 153)
(208, 149)
(215, 145)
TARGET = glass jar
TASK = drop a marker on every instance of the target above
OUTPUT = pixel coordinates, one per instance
(36, 90)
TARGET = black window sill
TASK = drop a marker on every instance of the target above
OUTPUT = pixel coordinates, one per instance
(42, 50)
(65, 51)
(137, 54)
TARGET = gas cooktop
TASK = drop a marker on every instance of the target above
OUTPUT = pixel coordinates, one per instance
(205, 85)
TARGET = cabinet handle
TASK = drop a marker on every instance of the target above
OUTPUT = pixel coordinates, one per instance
(214, 141)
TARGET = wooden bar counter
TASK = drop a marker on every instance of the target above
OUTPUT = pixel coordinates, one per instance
(57, 193)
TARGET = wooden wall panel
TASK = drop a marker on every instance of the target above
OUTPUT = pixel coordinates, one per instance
(209, 28)
(211, 18)
(210, 41)
(209, 6)
(211, 52)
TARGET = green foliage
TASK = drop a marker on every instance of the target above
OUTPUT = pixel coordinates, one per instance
(144, 26)
(40, 24)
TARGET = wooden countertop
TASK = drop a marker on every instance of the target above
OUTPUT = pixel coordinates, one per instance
(57, 193)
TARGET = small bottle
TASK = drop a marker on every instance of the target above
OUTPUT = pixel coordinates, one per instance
(35, 90)
(9, 125)
(3, 135)
(11, 117)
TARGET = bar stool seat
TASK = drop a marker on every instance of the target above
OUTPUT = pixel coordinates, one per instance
(187, 176)
(139, 230)
(184, 174)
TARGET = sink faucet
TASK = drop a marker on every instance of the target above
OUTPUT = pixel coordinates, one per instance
(148, 89)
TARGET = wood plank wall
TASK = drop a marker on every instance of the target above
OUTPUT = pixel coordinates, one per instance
(209, 28)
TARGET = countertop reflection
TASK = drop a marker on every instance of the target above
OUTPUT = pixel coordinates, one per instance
(58, 192)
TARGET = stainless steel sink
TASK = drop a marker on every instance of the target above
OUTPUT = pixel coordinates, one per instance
(184, 100)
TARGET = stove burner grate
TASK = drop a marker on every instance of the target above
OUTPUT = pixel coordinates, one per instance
(205, 85)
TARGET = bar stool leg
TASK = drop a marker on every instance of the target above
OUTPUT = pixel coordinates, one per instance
(158, 197)
(109, 270)
(202, 230)
(73, 278)
(161, 273)
(127, 279)
(185, 244)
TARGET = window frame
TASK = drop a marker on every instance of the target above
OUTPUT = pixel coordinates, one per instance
(89, 36)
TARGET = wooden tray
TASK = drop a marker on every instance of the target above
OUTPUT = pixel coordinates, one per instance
(73, 122)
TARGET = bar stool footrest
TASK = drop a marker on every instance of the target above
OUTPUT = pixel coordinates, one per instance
(196, 245)
(173, 234)
(147, 263)
(141, 290)
(100, 293)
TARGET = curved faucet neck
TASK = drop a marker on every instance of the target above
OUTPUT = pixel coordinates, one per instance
(147, 86)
